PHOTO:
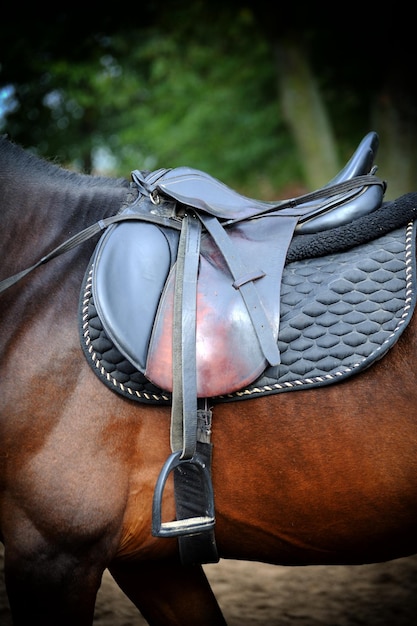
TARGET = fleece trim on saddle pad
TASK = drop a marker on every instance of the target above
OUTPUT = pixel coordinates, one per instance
(339, 313)
(389, 217)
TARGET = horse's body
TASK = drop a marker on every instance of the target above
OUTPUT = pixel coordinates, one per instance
(320, 476)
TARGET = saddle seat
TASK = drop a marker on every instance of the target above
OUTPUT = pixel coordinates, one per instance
(231, 251)
(324, 211)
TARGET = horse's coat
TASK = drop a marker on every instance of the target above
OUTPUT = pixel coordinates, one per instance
(320, 476)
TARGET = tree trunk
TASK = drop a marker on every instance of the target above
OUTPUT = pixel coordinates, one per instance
(395, 119)
(305, 113)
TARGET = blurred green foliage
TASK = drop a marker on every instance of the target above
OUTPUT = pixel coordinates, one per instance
(147, 98)
(172, 83)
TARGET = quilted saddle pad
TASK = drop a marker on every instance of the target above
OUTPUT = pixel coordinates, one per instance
(339, 313)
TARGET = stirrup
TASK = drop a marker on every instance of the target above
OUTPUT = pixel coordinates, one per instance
(190, 525)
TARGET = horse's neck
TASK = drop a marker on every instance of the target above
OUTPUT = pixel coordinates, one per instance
(43, 205)
(39, 216)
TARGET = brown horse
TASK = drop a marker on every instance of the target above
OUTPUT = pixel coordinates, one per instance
(325, 475)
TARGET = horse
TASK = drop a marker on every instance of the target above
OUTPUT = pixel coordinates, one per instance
(321, 475)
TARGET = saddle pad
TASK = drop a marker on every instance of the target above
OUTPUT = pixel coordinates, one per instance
(339, 313)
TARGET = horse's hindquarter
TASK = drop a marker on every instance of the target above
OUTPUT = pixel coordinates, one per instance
(322, 476)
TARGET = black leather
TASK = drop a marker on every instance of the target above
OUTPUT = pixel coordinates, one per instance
(241, 264)
(319, 210)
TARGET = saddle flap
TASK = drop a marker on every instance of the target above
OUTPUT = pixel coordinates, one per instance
(229, 354)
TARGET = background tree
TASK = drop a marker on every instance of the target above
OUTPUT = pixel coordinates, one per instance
(261, 102)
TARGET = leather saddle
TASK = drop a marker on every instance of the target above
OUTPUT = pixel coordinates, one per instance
(190, 279)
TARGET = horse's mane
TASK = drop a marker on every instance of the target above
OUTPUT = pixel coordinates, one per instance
(15, 159)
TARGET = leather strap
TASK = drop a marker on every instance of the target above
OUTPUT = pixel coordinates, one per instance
(191, 501)
(83, 236)
(190, 495)
(243, 279)
(184, 392)
(291, 207)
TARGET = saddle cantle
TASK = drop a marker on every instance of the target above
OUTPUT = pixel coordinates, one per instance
(240, 251)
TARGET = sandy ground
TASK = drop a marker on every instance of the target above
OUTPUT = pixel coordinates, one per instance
(255, 594)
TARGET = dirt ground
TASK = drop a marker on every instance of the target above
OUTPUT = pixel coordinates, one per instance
(255, 594)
